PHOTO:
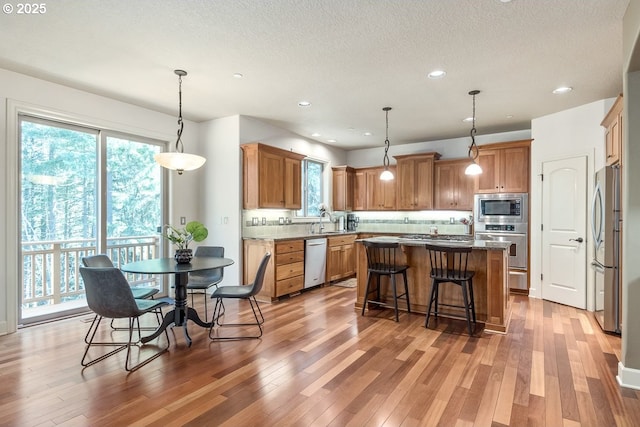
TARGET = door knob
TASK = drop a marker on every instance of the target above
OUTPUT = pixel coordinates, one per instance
(579, 240)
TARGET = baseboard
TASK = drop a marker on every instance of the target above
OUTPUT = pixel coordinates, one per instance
(3, 328)
(628, 377)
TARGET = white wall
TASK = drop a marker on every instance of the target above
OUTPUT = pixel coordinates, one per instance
(570, 133)
(221, 192)
(454, 148)
(22, 93)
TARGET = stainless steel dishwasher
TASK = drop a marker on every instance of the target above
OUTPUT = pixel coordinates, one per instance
(315, 262)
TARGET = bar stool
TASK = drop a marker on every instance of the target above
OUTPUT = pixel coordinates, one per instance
(382, 260)
(449, 265)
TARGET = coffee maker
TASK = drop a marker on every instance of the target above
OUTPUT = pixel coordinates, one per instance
(352, 222)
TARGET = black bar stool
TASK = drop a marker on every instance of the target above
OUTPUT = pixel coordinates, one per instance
(382, 260)
(449, 265)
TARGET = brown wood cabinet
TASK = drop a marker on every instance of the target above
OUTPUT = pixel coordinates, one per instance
(285, 271)
(271, 177)
(505, 168)
(613, 136)
(360, 191)
(380, 195)
(453, 189)
(414, 181)
(340, 257)
(343, 188)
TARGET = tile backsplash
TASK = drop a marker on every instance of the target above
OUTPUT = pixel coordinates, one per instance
(283, 223)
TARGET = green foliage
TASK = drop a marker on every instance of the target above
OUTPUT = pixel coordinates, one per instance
(181, 237)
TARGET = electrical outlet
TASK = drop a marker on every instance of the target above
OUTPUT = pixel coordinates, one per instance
(183, 220)
(452, 220)
(254, 220)
(281, 220)
(406, 220)
(264, 221)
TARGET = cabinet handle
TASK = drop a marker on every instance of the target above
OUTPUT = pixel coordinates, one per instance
(496, 186)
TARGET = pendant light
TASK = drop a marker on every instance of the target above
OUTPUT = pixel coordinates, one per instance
(178, 160)
(386, 174)
(473, 168)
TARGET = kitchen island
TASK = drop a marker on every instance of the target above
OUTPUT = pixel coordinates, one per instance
(489, 260)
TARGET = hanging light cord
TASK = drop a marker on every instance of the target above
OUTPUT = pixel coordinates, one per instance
(385, 161)
(179, 145)
(473, 148)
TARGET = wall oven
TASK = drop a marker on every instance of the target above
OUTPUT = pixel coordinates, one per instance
(501, 208)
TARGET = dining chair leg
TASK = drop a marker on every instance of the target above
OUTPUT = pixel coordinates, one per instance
(395, 296)
(366, 293)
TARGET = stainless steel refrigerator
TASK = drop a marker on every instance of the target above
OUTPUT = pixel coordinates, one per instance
(605, 224)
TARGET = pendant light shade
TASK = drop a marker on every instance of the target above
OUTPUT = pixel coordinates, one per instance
(178, 160)
(386, 174)
(473, 168)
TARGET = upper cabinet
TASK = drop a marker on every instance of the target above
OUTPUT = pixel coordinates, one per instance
(453, 189)
(505, 167)
(414, 181)
(381, 195)
(360, 191)
(271, 177)
(343, 188)
(613, 124)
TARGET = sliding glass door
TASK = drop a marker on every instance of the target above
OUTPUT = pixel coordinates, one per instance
(83, 191)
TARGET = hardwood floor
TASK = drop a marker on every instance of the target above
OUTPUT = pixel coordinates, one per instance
(320, 363)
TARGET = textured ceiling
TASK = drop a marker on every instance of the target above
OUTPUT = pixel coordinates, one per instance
(349, 58)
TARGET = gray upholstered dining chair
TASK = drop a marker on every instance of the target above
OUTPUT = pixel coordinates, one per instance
(109, 295)
(139, 292)
(246, 292)
(199, 282)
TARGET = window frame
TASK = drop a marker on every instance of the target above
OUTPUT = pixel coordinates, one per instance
(303, 212)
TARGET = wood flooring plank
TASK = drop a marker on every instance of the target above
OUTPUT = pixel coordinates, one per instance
(320, 362)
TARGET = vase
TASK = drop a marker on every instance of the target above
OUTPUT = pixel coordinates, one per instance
(183, 256)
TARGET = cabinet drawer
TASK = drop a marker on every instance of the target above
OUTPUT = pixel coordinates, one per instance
(289, 246)
(290, 257)
(342, 240)
(287, 286)
(289, 270)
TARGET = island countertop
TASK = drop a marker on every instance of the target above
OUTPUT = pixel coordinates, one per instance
(456, 242)
(488, 259)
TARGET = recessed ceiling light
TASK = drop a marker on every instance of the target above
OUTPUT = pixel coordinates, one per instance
(505, 1)
(509, 116)
(304, 104)
(562, 89)
(316, 134)
(468, 119)
(238, 75)
(437, 74)
(367, 134)
(331, 140)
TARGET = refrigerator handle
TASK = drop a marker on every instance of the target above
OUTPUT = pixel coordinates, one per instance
(597, 267)
(597, 235)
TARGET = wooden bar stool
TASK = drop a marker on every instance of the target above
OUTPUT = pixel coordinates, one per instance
(449, 265)
(382, 260)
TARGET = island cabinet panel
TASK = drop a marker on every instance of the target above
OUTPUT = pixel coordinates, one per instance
(271, 177)
(343, 188)
(505, 167)
(453, 189)
(340, 257)
(285, 271)
(414, 181)
(490, 284)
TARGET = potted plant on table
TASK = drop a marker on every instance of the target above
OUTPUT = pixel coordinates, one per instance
(181, 237)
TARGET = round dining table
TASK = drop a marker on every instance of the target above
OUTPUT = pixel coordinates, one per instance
(181, 312)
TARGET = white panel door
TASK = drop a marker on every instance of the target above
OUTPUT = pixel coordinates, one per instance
(564, 233)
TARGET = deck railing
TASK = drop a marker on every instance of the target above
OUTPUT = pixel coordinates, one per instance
(50, 269)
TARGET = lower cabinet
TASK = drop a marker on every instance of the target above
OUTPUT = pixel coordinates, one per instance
(285, 271)
(341, 262)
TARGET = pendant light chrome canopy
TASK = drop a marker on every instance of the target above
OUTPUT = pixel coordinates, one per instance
(473, 168)
(178, 160)
(386, 174)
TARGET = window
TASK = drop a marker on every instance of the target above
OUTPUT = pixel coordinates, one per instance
(312, 188)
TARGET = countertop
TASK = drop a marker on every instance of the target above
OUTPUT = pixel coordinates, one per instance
(306, 236)
(440, 241)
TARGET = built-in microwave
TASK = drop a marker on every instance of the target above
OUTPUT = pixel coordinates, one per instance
(501, 208)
